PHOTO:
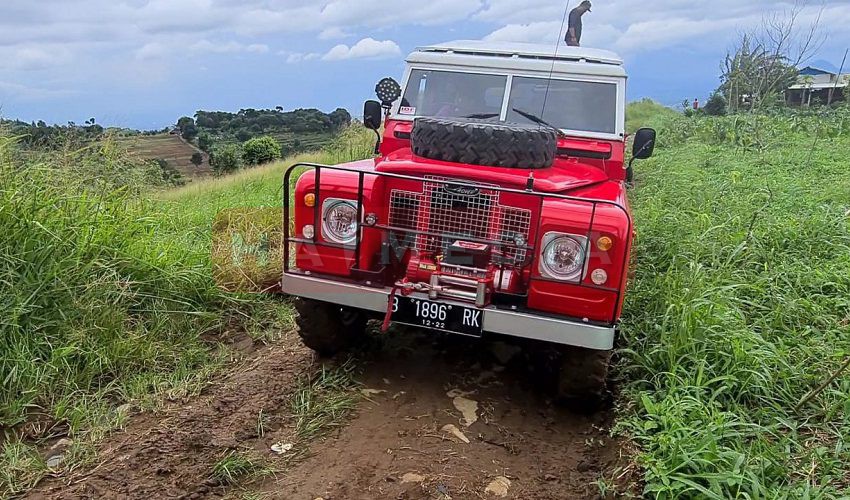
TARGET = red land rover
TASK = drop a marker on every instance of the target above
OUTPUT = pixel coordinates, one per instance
(496, 205)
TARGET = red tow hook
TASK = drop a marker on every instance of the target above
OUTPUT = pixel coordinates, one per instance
(388, 316)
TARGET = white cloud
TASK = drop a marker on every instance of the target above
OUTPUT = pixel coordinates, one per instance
(521, 12)
(16, 90)
(230, 47)
(297, 57)
(650, 35)
(539, 32)
(152, 50)
(147, 42)
(160, 50)
(619, 26)
(34, 58)
(333, 33)
(366, 48)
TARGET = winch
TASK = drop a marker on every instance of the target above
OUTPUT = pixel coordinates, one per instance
(464, 272)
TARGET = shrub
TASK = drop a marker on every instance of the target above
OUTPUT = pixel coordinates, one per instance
(205, 142)
(226, 160)
(716, 105)
(170, 175)
(261, 150)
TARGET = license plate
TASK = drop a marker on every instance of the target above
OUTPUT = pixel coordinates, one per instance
(438, 316)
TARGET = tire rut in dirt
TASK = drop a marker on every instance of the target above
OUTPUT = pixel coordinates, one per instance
(399, 446)
(583, 379)
(172, 454)
(481, 142)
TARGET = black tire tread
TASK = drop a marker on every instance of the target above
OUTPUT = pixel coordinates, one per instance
(482, 142)
(327, 328)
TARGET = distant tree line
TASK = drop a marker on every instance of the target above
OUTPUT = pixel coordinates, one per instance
(39, 135)
(211, 128)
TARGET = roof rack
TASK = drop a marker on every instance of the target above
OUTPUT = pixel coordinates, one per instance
(526, 51)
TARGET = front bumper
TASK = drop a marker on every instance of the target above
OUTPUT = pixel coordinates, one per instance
(501, 321)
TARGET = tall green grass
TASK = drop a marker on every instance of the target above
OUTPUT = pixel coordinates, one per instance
(740, 307)
(106, 290)
(94, 309)
(647, 113)
(193, 208)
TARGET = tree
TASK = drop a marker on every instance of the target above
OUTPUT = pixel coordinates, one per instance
(197, 159)
(244, 135)
(185, 121)
(169, 175)
(716, 105)
(261, 150)
(226, 159)
(187, 128)
(340, 118)
(189, 133)
(205, 142)
(764, 61)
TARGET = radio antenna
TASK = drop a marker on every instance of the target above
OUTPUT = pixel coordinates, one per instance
(554, 59)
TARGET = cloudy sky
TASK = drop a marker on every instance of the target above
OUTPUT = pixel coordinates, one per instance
(143, 63)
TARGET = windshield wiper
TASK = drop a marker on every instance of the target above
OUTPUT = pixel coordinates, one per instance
(539, 121)
(482, 116)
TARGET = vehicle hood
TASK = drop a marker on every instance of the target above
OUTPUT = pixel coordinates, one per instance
(564, 175)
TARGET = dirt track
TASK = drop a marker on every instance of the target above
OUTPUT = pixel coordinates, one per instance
(394, 436)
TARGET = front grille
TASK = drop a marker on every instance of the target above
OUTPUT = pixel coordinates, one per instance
(456, 212)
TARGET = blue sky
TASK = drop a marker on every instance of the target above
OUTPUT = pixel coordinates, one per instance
(144, 63)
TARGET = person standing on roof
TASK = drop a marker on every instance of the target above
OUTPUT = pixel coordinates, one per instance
(573, 38)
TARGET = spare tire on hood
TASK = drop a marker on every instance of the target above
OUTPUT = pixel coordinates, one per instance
(482, 142)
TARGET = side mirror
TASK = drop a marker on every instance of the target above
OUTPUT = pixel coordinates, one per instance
(372, 115)
(644, 144)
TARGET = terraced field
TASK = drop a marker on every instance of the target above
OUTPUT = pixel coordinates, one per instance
(171, 148)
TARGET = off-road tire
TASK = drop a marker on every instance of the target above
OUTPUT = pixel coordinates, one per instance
(482, 142)
(329, 329)
(583, 378)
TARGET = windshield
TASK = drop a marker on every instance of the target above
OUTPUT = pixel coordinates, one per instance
(569, 105)
(453, 95)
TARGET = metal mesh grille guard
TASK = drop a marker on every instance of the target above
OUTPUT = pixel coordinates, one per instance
(459, 211)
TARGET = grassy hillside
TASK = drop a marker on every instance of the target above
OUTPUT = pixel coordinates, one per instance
(647, 113)
(107, 295)
(170, 148)
(196, 204)
(740, 307)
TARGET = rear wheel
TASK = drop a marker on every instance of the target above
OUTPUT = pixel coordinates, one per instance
(583, 378)
(327, 328)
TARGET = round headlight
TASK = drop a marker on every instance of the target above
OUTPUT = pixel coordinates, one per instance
(563, 258)
(340, 221)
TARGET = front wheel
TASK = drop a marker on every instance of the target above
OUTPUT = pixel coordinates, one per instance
(583, 378)
(327, 328)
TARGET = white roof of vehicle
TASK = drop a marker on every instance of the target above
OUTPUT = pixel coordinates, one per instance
(518, 56)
